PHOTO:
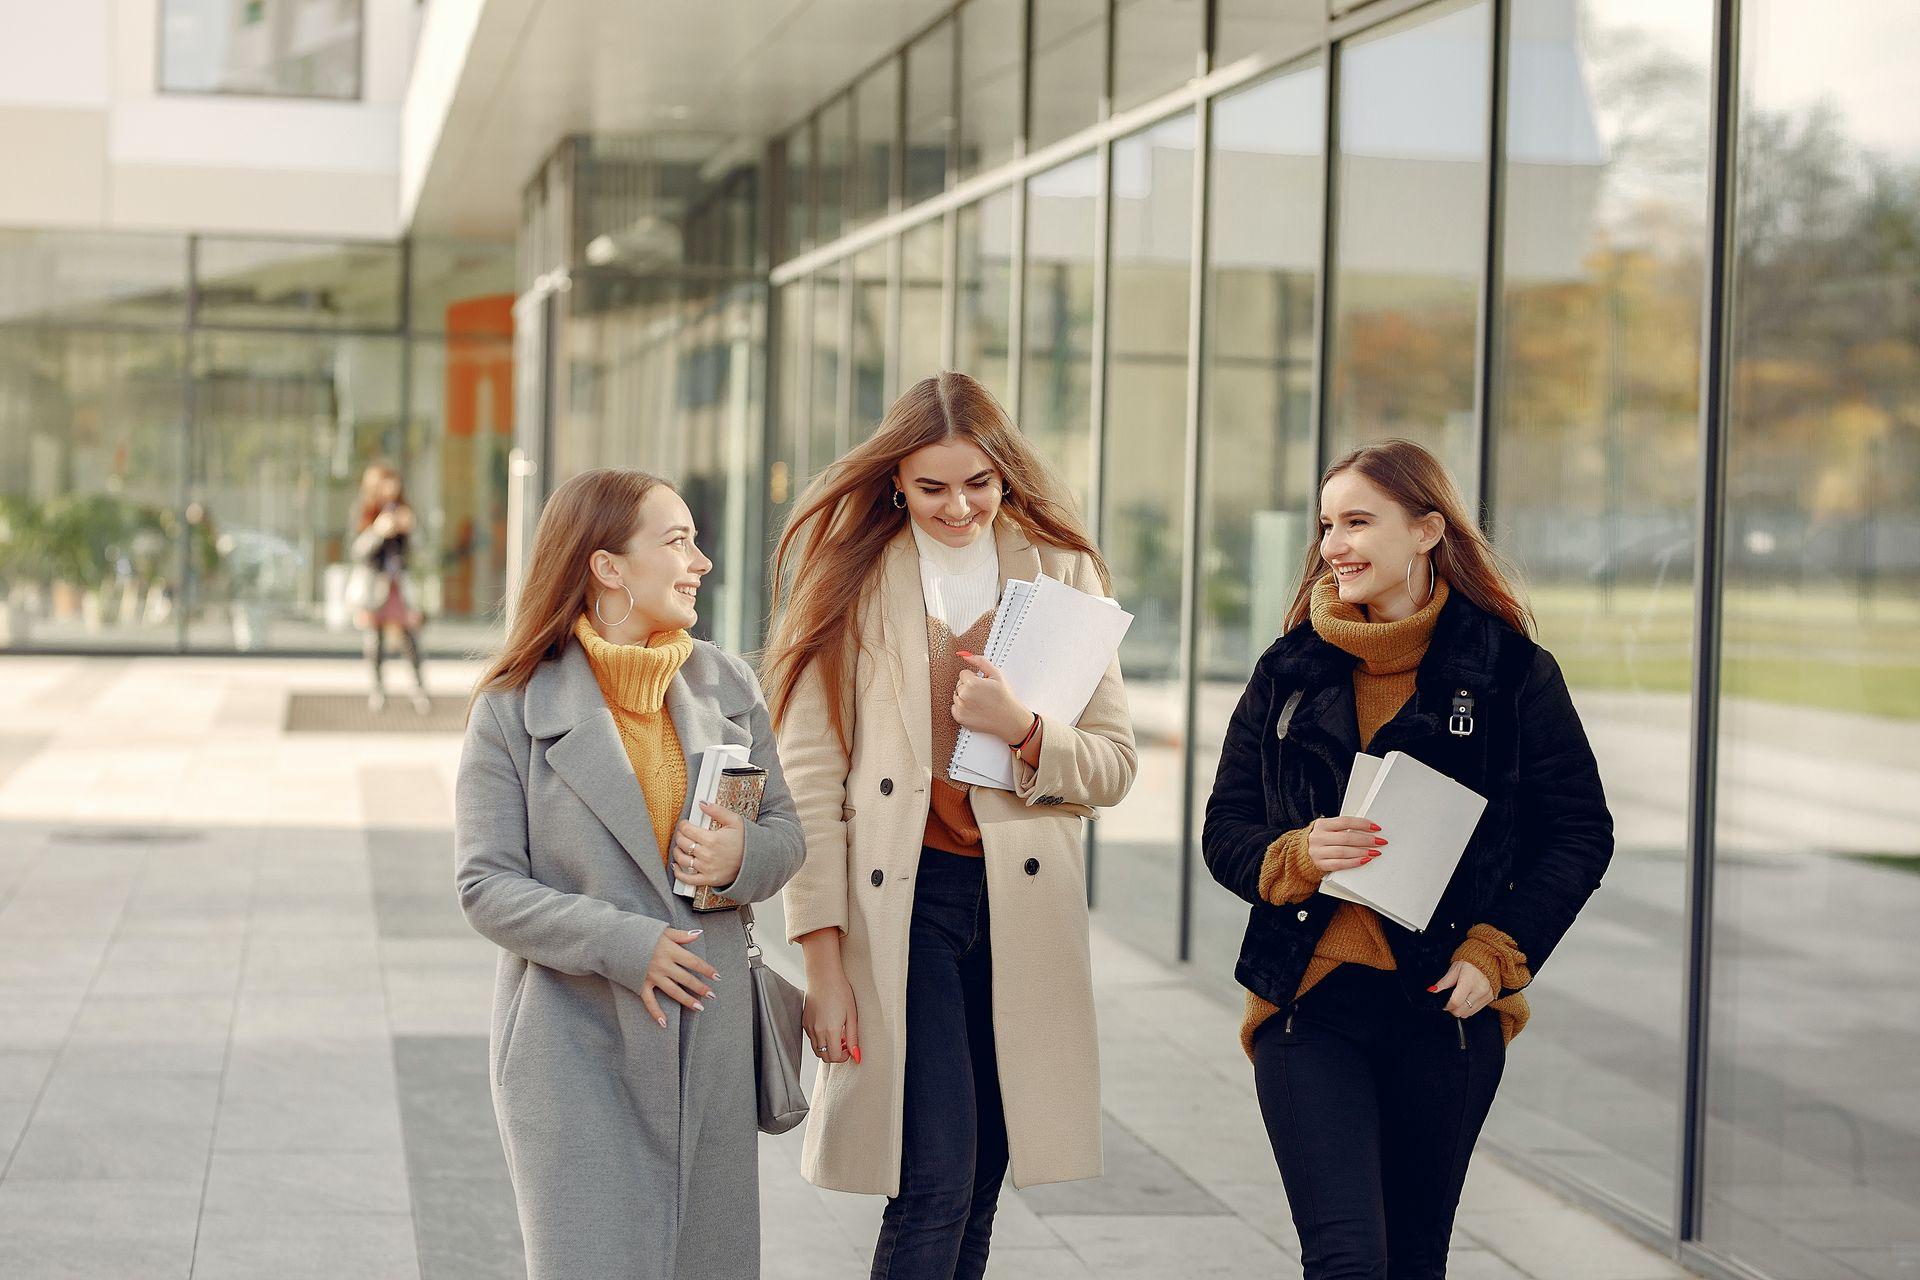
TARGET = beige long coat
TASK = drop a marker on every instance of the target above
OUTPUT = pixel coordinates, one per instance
(863, 817)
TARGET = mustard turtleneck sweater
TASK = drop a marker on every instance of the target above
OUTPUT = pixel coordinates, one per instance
(1383, 681)
(634, 678)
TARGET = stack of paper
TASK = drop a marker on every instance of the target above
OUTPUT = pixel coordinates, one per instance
(1052, 644)
(1426, 818)
(713, 762)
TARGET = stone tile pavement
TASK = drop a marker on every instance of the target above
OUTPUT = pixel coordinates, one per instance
(242, 1030)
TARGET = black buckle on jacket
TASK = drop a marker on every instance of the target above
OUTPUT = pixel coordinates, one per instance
(1460, 722)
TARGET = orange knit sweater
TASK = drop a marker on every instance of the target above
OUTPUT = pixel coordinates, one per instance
(1383, 681)
(634, 679)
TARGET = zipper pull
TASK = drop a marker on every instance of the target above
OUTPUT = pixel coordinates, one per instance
(1460, 720)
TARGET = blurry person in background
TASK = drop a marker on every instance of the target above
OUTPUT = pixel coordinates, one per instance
(380, 591)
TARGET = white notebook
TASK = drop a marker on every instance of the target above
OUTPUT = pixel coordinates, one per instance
(1427, 819)
(714, 760)
(1052, 643)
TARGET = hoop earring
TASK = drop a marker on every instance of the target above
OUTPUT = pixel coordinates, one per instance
(900, 499)
(1006, 490)
(1419, 604)
(623, 617)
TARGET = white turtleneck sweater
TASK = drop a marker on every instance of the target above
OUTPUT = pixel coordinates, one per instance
(958, 583)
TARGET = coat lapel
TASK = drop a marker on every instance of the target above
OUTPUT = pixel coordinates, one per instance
(564, 702)
(906, 643)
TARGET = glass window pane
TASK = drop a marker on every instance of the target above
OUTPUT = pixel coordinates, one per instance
(1069, 68)
(787, 465)
(930, 123)
(869, 339)
(1412, 237)
(983, 306)
(922, 300)
(826, 427)
(797, 191)
(993, 41)
(1156, 47)
(1264, 28)
(1142, 495)
(1056, 376)
(1813, 1121)
(1595, 473)
(283, 427)
(1258, 473)
(448, 276)
(281, 48)
(90, 514)
(298, 284)
(834, 138)
(86, 277)
(877, 116)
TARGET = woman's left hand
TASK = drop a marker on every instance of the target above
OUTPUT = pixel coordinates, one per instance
(984, 702)
(710, 857)
(1472, 992)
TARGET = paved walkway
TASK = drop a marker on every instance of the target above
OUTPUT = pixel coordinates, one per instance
(242, 1030)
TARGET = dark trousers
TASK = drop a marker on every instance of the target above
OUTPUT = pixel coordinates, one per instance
(374, 645)
(954, 1137)
(1373, 1106)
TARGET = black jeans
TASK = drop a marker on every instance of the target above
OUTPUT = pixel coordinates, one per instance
(954, 1137)
(1373, 1106)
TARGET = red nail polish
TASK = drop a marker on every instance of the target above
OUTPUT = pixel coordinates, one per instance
(1379, 840)
(1434, 987)
(963, 653)
(1376, 826)
(856, 1055)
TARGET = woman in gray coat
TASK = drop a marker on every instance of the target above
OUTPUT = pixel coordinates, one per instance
(622, 1045)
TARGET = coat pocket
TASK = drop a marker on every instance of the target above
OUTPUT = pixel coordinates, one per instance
(508, 1020)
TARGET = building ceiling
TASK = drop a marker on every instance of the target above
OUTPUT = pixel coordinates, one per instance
(484, 111)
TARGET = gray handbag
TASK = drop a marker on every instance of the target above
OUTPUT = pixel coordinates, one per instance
(777, 1005)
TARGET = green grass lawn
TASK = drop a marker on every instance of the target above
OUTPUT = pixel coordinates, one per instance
(1824, 649)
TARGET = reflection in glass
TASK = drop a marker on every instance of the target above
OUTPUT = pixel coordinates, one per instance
(444, 276)
(88, 277)
(1411, 239)
(877, 123)
(983, 302)
(283, 427)
(869, 339)
(993, 41)
(91, 533)
(1813, 1121)
(930, 122)
(796, 192)
(787, 456)
(1056, 376)
(922, 301)
(826, 421)
(1142, 495)
(833, 161)
(1156, 47)
(287, 49)
(1593, 491)
(1069, 68)
(1257, 419)
(1264, 28)
(297, 283)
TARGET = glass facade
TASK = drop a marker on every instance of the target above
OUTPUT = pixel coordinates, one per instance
(1520, 273)
(275, 48)
(184, 421)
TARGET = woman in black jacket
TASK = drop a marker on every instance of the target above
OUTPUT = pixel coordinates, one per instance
(1377, 1049)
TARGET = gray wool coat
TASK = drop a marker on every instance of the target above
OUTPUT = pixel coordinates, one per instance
(633, 1150)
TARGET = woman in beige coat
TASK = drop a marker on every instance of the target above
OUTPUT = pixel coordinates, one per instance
(944, 927)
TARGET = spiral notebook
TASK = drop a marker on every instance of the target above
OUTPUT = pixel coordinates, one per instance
(1427, 819)
(1053, 644)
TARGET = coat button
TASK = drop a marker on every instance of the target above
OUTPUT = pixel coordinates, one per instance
(878, 876)
(1033, 866)
(1301, 917)
(886, 786)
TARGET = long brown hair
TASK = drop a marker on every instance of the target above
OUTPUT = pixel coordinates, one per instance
(594, 511)
(370, 500)
(1417, 480)
(829, 555)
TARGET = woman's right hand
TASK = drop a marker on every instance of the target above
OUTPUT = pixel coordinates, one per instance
(831, 1021)
(1338, 844)
(677, 973)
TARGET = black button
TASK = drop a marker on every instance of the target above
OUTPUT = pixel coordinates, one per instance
(1033, 866)
(886, 786)
(878, 876)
